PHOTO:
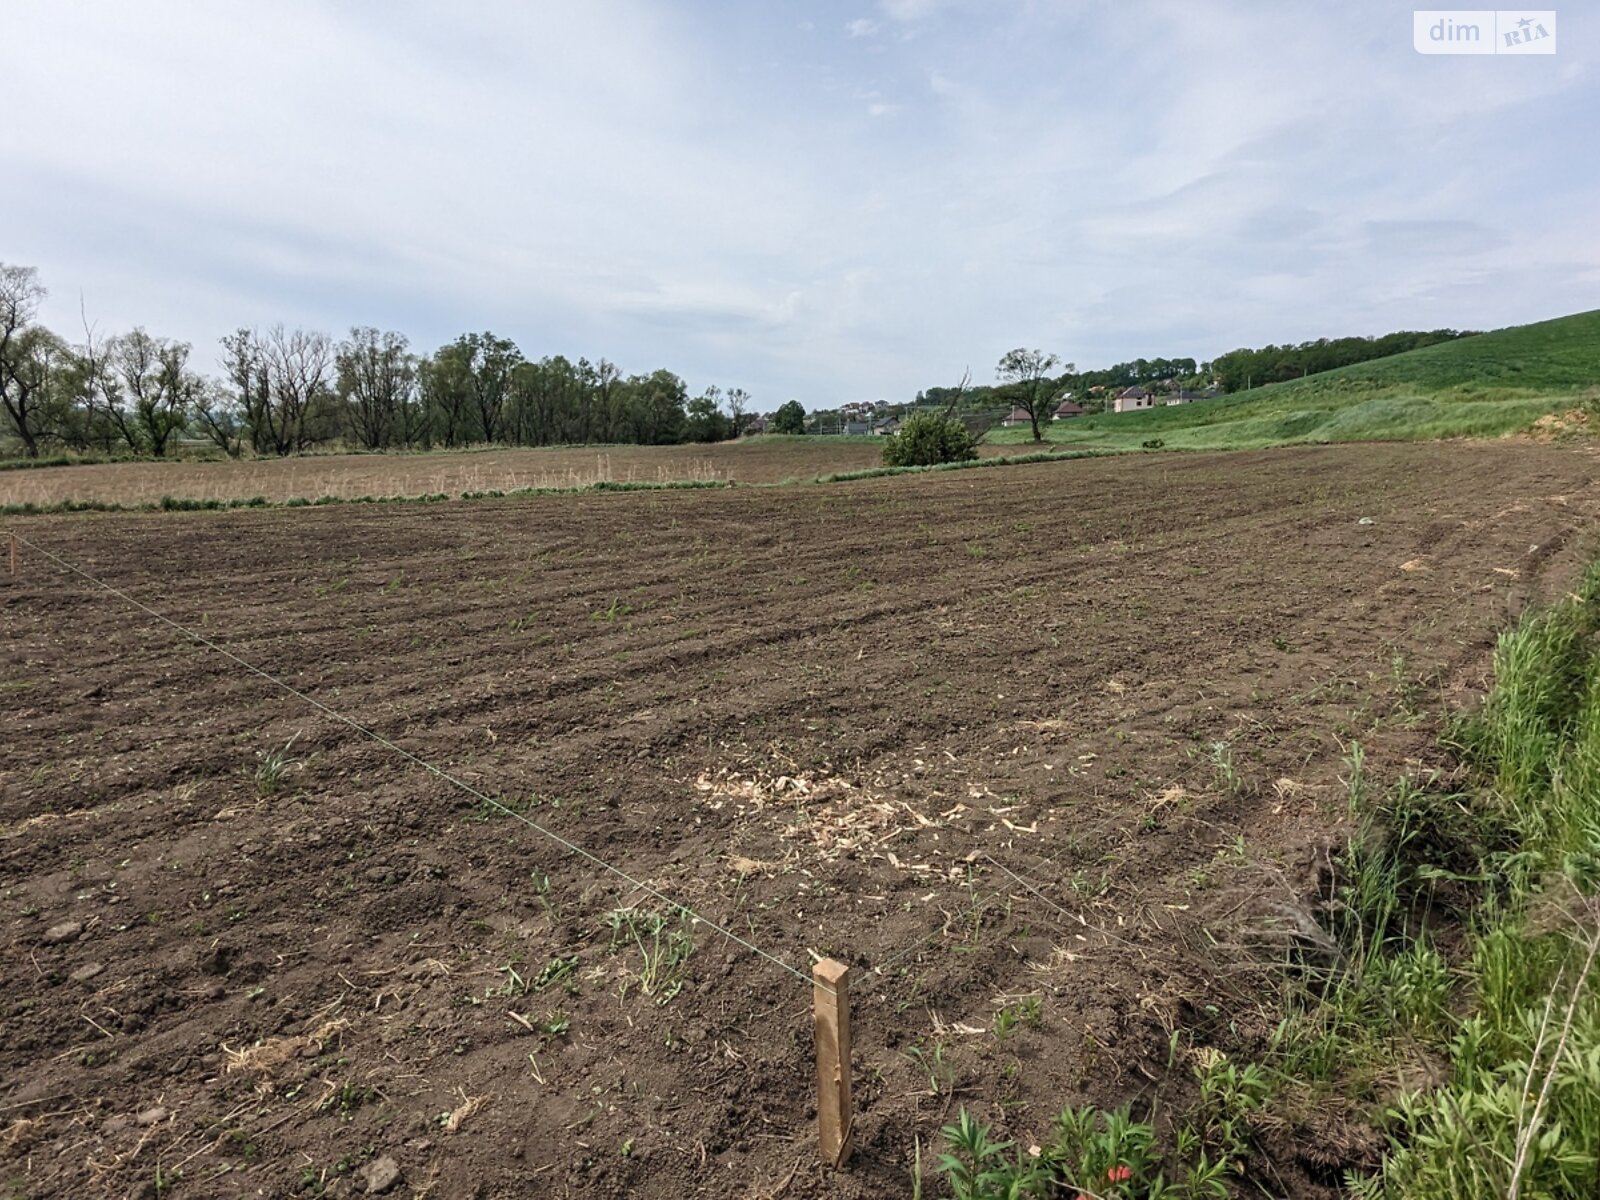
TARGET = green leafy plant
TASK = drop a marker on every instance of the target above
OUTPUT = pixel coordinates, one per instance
(664, 941)
(936, 1065)
(1220, 755)
(979, 1169)
(926, 439)
(1027, 1011)
(273, 764)
(1091, 1153)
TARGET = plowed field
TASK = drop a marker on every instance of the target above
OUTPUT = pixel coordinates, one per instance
(1008, 739)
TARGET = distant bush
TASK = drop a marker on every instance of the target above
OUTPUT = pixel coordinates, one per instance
(926, 439)
(1152, 443)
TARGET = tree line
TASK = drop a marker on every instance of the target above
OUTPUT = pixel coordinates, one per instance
(1239, 369)
(1231, 372)
(283, 391)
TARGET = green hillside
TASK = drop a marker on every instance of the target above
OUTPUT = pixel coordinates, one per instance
(1482, 386)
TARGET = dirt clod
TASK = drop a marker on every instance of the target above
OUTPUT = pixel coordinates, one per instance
(381, 1174)
(64, 932)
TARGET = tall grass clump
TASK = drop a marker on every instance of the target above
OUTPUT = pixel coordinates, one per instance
(1519, 1112)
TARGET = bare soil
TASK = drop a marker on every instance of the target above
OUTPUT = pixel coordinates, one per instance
(961, 731)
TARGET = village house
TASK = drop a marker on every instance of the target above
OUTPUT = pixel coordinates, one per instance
(1066, 410)
(887, 427)
(1017, 416)
(1132, 399)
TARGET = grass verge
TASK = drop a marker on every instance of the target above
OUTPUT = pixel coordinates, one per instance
(1442, 990)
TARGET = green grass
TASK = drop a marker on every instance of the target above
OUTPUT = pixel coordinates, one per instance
(1482, 386)
(1469, 929)
(1461, 933)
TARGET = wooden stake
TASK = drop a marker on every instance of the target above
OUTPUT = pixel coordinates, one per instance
(830, 997)
(13, 554)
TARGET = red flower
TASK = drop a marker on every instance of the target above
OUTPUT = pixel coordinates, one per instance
(1119, 1174)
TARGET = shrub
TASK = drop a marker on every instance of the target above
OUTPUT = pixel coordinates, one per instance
(790, 418)
(926, 439)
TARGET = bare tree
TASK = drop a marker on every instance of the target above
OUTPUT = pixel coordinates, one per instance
(278, 377)
(961, 390)
(220, 417)
(95, 387)
(28, 354)
(298, 369)
(1030, 371)
(378, 383)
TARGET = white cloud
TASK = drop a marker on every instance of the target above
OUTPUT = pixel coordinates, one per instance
(644, 181)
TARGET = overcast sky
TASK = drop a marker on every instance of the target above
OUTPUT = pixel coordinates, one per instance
(821, 201)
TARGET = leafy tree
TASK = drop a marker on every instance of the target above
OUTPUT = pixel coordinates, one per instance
(378, 386)
(1028, 371)
(29, 354)
(738, 408)
(790, 418)
(705, 421)
(656, 408)
(545, 397)
(152, 376)
(445, 394)
(928, 438)
(605, 405)
(488, 362)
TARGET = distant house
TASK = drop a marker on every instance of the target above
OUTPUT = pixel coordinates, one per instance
(1132, 399)
(1067, 409)
(888, 427)
(1183, 396)
(1017, 416)
(857, 428)
(754, 426)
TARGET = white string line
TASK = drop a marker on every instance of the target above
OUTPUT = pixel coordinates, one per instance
(573, 847)
(1078, 917)
(916, 947)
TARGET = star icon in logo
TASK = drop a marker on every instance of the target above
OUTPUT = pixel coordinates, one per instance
(1524, 23)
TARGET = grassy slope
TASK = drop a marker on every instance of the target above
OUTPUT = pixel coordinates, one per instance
(1480, 386)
